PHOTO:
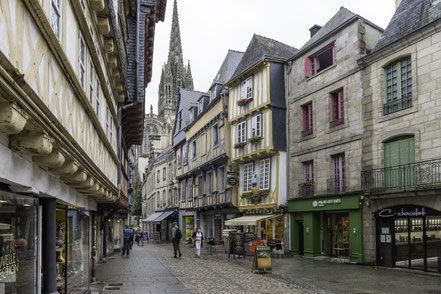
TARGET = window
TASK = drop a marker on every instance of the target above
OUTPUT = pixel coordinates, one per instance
(248, 170)
(200, 105)
(221, 179)
(338, 173)
(107, 121)
(398, 86)
(337, 109)
(307, 119)
(308, 172)
(91, 80)
(158, 176)
(56, 17)
(183, 185)
(191, 116)
(256, 126)
(82, 61)
(265, 172)
(178, 157)
(399, 156)
(111, 129)
(190, 189)
(193, 149)
(208, 183)
(215, 135)
(242, 132)
(185, 154)
(320, 61)
(169, 171)
(246, 89)
(200, 185)
(98, 98)
(164, 174)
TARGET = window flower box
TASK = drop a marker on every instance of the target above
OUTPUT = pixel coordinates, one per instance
(263, 193)
(243, 102)
(239, 145)
(246, 195)
(255, 140)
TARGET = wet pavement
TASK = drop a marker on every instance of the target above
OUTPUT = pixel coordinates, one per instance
(152, 269)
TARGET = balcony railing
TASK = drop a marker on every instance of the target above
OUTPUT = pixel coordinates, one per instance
(409, 177)
(306, 189)
(397, 104)
(337, 185)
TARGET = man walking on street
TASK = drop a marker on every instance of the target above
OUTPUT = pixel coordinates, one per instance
(176, 238)
(128, 237)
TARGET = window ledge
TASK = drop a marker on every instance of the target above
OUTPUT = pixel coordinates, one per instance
(319, 73)
(306, 138)
(398, 114)
(337, 128)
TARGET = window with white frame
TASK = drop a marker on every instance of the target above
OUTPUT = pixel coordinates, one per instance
(265, 172)
(107, 121)
(200, 105)
(193, 149)
(158, 176)
(82, 60)
(246, 88)
(185, 153)
(55, 17)
(215, 135)
(221, 179)
(242, 132)
(178, 157)
(256, 126)
(190, 189)
(91, 80)
(111, 129)
(248, 170)
(98, 98)
(164, 174)
(208, 183)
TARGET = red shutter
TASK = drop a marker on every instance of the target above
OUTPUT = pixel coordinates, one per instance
(304, 110)
(310, 116)
(308, 67)
(332, 107)
(340, 104)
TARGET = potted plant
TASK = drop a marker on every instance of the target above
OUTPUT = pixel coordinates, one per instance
(255, 140)
(244, 101)
(239, 145)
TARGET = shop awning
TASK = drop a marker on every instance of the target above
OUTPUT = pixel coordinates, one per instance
(152, 217)
(248, 220)
(164, 216)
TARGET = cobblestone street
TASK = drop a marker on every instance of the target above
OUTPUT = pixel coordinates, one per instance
(152, 269)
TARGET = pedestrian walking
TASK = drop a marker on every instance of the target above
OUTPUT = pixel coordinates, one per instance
(139, 239)
(198, 238)
(128, 237)
(176, 238)
(133, 237)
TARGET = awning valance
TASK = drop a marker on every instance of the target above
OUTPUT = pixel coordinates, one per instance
(248, 220)
(152, 217)
(164, 216)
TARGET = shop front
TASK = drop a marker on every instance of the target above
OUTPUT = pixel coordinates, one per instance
(328, 226)
(212, 222)
(188, 226)
(409, 236)
(268, 227)
(18, 244)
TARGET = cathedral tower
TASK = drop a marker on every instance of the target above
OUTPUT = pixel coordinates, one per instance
(174, 74)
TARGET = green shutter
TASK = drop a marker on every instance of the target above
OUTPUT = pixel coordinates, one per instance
(398, 158)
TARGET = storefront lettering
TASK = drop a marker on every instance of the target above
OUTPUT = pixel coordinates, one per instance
(8, 267)
(320, 203)
(389, 213)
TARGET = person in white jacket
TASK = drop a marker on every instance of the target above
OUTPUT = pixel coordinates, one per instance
(198, 238)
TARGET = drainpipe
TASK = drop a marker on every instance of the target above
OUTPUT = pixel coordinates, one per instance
(287, 148)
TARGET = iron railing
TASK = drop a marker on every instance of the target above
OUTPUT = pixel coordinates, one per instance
(397, 104)
(408, 177)
(337, 185)
(306, 189)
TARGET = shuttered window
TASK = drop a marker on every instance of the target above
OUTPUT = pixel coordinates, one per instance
(399, 156)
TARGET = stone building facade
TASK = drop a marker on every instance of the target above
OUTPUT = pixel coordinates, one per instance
(401, 107)
(325, 137)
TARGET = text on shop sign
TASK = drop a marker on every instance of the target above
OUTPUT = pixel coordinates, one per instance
(389, 213)
(319, 203)
(8, 267)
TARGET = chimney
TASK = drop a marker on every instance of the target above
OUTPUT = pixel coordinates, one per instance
(315, 28)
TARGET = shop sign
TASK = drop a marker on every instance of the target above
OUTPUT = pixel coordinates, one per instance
(403, 212)
(8, 267)
(233, 181)
(262, 259)
(321, 203)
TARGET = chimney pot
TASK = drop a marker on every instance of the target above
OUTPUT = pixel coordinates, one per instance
(314, 29)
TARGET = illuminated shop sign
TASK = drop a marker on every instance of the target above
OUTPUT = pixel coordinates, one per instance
(406, 211)
(321, 203)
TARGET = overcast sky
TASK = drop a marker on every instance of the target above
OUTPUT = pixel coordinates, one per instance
(210, 27)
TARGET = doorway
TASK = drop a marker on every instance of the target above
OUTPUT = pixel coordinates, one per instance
(301, 237)
(338, 235)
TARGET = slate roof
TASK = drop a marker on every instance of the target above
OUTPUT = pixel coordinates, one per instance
(342, 16)
(339, 21)
(186, 98)
(410, 16)
(261, 48)
(229, 65)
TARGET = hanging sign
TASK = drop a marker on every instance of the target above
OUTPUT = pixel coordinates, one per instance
(233, 181)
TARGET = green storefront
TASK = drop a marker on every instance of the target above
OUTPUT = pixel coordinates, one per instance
(327, 226)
